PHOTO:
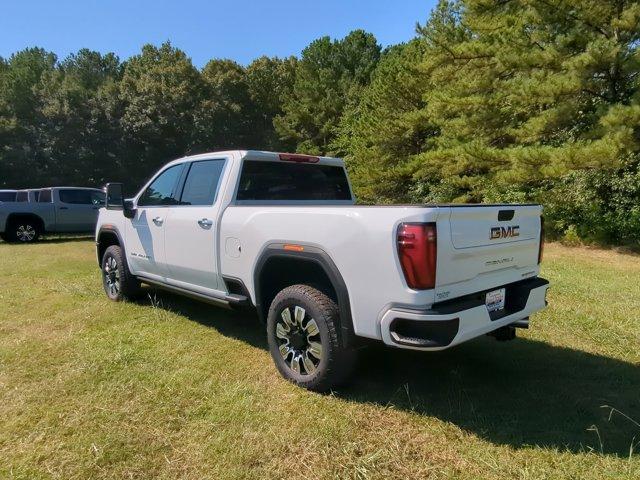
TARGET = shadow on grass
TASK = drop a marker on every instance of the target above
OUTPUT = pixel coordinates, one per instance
(54, 239)
(519, 393)
(66, 239)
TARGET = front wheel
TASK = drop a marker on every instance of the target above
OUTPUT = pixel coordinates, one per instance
(302, 330)
(117, 280)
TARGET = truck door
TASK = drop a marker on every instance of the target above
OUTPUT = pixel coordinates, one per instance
(191, 232)
(77, 209)
(145, 232)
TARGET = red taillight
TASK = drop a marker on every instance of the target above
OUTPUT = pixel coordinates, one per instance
(541, 246)
(294, 157)
(417, 249)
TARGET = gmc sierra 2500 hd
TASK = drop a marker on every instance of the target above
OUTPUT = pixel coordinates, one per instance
(281, 233)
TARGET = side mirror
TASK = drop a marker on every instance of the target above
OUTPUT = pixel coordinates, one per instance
(115, 196)
(116, 200)
(129, 210)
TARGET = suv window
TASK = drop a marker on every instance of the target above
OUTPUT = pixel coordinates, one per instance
(162, 190)
(202, 182)
(22, 196)
(77, 197)
(292, 181)
(7, 196)
(45, 196)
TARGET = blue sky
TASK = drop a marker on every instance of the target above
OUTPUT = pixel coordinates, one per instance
(238, 29)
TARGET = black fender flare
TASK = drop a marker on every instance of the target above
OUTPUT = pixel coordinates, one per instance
(111, 230)
(308, 253)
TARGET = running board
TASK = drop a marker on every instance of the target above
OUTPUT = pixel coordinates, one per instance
(226, 301)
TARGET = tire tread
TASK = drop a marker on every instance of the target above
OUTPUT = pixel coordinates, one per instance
(342, 360)
(129, 285)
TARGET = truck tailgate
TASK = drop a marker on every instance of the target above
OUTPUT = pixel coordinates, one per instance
(480, 247)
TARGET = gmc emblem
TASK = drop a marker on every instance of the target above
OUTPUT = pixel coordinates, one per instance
(504, 232)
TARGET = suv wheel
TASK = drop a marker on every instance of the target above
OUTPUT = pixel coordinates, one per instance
(117, 280)
(302, 330)
(23, 231)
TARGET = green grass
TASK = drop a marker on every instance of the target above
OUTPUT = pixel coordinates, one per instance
(170, 388)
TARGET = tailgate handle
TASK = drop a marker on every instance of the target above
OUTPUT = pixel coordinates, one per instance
(505, 215)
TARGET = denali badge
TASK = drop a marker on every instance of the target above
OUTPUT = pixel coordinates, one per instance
(504, 232)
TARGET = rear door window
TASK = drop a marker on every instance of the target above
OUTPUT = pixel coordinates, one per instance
(262, 180)
(22, 197)
(201, 185)
(45, 196)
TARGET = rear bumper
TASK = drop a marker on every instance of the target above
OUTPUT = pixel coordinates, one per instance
(450, 323)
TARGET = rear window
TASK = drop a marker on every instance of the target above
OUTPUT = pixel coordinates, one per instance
(7, 196)
(292, 181)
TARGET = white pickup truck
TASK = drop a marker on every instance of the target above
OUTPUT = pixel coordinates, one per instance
(281, 233)
(35, 212)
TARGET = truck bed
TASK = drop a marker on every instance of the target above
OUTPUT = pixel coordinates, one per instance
(361, 240)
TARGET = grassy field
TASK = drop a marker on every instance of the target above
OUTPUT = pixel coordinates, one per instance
(169, 388)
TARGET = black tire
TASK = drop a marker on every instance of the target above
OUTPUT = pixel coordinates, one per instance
(22, 231)
(336, 362)
(117, 281)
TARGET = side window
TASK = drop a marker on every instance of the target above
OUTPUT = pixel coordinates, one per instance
(97, 198)
(22, 196)
(202, 182)
(45, 196)
(162, 189)
(75, 197)
(7, 196)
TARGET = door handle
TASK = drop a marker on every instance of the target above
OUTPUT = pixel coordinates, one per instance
(158, 221)
(205, 223)
(64, 208)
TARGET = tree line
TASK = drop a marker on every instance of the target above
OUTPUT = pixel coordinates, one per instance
(492, 101)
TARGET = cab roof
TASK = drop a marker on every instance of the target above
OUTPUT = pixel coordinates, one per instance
(262, 155)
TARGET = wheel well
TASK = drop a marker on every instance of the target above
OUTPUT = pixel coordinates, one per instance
(277, 270)
(280, 272)
(16, 217)
(105, 240)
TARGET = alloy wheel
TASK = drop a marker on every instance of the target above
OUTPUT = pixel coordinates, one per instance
(112, 276)
(25, 233)
(299, 340)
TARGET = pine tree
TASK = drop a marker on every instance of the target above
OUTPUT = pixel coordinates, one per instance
(329, 75)
(537, 88)
(160, 90)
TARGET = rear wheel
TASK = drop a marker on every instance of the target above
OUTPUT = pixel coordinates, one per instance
(302, 330)
(117, 280)
(22, 231)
